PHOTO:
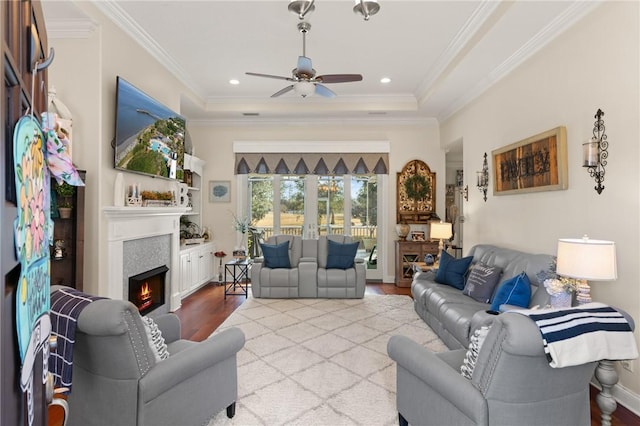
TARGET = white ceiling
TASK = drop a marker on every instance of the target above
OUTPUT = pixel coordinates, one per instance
(440, 55)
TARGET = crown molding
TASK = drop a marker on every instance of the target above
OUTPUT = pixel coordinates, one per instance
(70, 28)
(455, 49)
(560, 24)
(124, 21)
(278, 122)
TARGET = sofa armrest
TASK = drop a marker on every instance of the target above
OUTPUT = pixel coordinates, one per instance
(169, 325)
(438, 377)
(480, 319)
(258, 259)
(191, 361)
(358, 260)
(308, 259)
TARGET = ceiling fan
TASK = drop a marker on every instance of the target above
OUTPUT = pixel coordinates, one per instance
(304, 78)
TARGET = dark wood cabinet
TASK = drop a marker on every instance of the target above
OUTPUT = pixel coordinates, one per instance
(67, 253)
(407, 253)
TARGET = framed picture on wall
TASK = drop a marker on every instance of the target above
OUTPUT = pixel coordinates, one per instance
(219, 191)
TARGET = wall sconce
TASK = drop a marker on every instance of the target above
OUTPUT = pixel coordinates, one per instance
(464, 192)
(483, 178)
(595, 152)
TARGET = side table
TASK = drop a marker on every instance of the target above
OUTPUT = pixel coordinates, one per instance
(238, 271)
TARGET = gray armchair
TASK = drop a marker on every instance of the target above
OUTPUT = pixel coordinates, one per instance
(116, 380)
(512, 382)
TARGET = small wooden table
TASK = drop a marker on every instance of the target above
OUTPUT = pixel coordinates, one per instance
(239, 274)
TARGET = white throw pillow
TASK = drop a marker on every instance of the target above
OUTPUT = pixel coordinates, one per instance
(475, 344)
(156, 341)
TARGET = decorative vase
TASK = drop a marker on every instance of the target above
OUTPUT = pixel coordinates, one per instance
(402, 229)
(560, 300)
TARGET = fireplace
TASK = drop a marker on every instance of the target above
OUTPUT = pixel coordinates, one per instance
(147, 290)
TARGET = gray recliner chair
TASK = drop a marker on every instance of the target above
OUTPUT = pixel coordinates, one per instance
(339, 283)
(512, 383)
(117, 381)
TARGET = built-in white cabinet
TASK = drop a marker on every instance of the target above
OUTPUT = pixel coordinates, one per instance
(196, 266)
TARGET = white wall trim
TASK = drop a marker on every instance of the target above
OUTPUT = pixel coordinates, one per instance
(311, 146)
(70, 28)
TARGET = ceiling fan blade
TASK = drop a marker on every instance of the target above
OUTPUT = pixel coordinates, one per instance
(255, 74)
(304, 65)
(283, 91)
(324, 91)
(338, 78)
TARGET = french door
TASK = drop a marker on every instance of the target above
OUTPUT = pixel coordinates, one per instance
(313, 205)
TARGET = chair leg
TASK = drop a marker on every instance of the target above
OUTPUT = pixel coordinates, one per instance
(231, 410)
(402, 421)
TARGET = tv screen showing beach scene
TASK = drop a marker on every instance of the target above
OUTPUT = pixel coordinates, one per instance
(149, 136)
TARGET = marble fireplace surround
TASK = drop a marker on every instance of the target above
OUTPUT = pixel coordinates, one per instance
(133, 223)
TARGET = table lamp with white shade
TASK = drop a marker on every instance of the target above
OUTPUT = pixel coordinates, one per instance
(585, 259)
(440, 231)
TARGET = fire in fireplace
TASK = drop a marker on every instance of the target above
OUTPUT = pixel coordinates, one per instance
(147, 290)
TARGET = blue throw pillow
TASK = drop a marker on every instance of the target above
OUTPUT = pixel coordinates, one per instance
(341, 256)
(276, 255)
(451, 271)
(514, 291)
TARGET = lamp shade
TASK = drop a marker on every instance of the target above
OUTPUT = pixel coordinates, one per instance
(440, 230)
(587, 259)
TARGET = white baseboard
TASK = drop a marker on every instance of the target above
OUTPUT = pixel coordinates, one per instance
(630, 400)
(623, 396)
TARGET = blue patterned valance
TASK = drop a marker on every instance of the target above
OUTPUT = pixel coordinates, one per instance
(325, 164)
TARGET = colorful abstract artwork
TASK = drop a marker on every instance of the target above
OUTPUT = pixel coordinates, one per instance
(33, 231)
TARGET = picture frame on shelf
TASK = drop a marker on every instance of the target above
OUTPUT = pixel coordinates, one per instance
(417, 236)
(219, 191)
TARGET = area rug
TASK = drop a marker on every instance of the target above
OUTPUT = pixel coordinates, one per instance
(321, 361)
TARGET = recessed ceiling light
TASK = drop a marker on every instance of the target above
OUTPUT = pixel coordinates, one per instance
(385, 80)
(234, 81)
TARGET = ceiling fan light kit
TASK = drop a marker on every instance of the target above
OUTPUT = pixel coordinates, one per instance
(304, 88)
(303, 77)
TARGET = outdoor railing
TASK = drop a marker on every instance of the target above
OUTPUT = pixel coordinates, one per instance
(357, 232)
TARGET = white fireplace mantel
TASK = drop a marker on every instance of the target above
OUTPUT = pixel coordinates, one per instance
(132, 223)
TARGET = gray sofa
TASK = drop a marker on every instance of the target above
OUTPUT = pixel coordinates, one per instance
(453, 315)
(117, 380)
(308, 275)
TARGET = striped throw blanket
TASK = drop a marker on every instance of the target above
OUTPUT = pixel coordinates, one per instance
(66, 305)
(583, 334)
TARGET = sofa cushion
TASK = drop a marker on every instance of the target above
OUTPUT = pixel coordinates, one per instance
(514, 291)
(451, 271)
(341, 256)
(276, 256)
(482, 281)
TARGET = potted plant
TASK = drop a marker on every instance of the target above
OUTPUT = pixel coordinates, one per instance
(65, 192)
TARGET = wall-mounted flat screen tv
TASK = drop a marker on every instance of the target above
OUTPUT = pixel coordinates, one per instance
(149, 136)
